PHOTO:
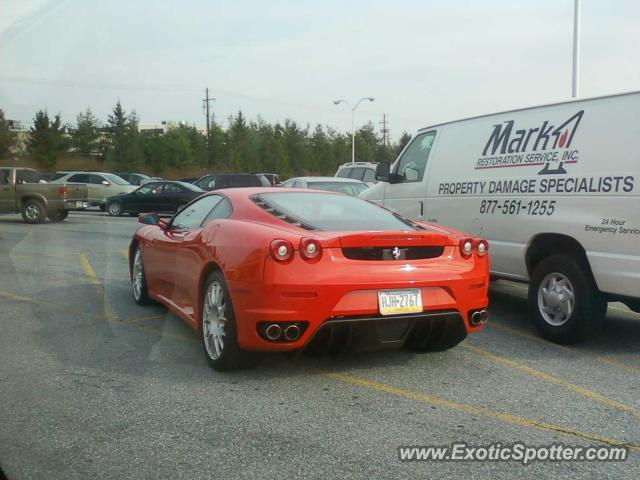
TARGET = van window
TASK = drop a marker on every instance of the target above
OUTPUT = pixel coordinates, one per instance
(414, 160)
(344, 173)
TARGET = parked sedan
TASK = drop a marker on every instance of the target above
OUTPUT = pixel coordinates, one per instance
(100, 185)
(264, 269)
(330, 184)
(166, 197)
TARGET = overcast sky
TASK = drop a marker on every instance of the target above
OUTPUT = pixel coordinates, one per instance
(424, 61)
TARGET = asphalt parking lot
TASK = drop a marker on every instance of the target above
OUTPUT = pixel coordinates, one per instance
(94, 386)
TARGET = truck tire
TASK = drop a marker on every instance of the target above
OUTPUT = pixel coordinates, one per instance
(33, 211)
(564, 300)
(58, 216)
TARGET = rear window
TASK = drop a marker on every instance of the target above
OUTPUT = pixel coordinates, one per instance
(247, 181)
(27, 176)
(326, 211)
(116, 179)
(350, 188)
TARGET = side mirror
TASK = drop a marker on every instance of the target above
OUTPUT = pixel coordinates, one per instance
(106, 183)
(149, 218)
(383, 172)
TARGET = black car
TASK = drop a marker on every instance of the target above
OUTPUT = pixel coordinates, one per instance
(273, 178)
(216, 181)
(165, 197)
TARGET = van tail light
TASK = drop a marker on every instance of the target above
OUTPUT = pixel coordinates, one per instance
(482, 247)
(466, 247)
(310, 249)
(281, 250)
(62, 190)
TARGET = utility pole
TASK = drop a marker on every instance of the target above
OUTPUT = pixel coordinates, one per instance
(384, 130)
(205, 104)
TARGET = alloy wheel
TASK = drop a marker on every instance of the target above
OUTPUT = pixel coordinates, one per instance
(214, 320)
(556, 299)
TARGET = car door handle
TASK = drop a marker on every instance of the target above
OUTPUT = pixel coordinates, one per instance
(421, 209)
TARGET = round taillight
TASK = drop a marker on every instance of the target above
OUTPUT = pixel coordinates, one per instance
(466, 247)
(281, 250)
(62, 190)
(310, 249)
(482, 247)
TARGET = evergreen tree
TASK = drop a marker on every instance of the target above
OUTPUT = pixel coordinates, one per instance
(85, 137)
(7, 137)
(124, 151)
(323, 154)
(178, 148)
(404, 139)
(366, 144)
(197, 144)
(155, 155)
(46, 142)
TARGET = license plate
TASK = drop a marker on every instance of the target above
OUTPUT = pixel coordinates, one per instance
(393, 302)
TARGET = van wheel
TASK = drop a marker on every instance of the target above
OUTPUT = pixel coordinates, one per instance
(33, 211)
(564, 300)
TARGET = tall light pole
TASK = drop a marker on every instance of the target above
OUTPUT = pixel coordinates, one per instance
(576, 48)
(353, 131)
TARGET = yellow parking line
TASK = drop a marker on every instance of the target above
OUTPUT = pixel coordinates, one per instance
(475, 410)
(129, 322)
(553, 379)
(140, 319)
(93, 278)
(63, 308)
(593, 356)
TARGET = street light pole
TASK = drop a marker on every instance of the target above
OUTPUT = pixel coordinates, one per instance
(576, 48)
(353, 128)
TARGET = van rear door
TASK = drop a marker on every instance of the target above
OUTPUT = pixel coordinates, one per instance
(409, 183)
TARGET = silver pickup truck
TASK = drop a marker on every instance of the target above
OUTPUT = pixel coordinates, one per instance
(21, 192)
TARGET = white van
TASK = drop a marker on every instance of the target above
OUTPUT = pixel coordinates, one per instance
(555, 189)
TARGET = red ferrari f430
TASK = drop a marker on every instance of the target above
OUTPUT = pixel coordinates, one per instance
(276, 269)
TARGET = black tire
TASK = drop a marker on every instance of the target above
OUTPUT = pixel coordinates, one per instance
(115, 209)
(436, 335)
(549, 310)
(58, 216)
(230, 356)
(140, 292)
(33, 211)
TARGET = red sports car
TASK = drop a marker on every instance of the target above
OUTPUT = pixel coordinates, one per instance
(266, 269)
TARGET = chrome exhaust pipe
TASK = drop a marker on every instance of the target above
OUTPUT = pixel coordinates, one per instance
(484, 316)
(291, 333)
(476, 318)
(273, 332)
